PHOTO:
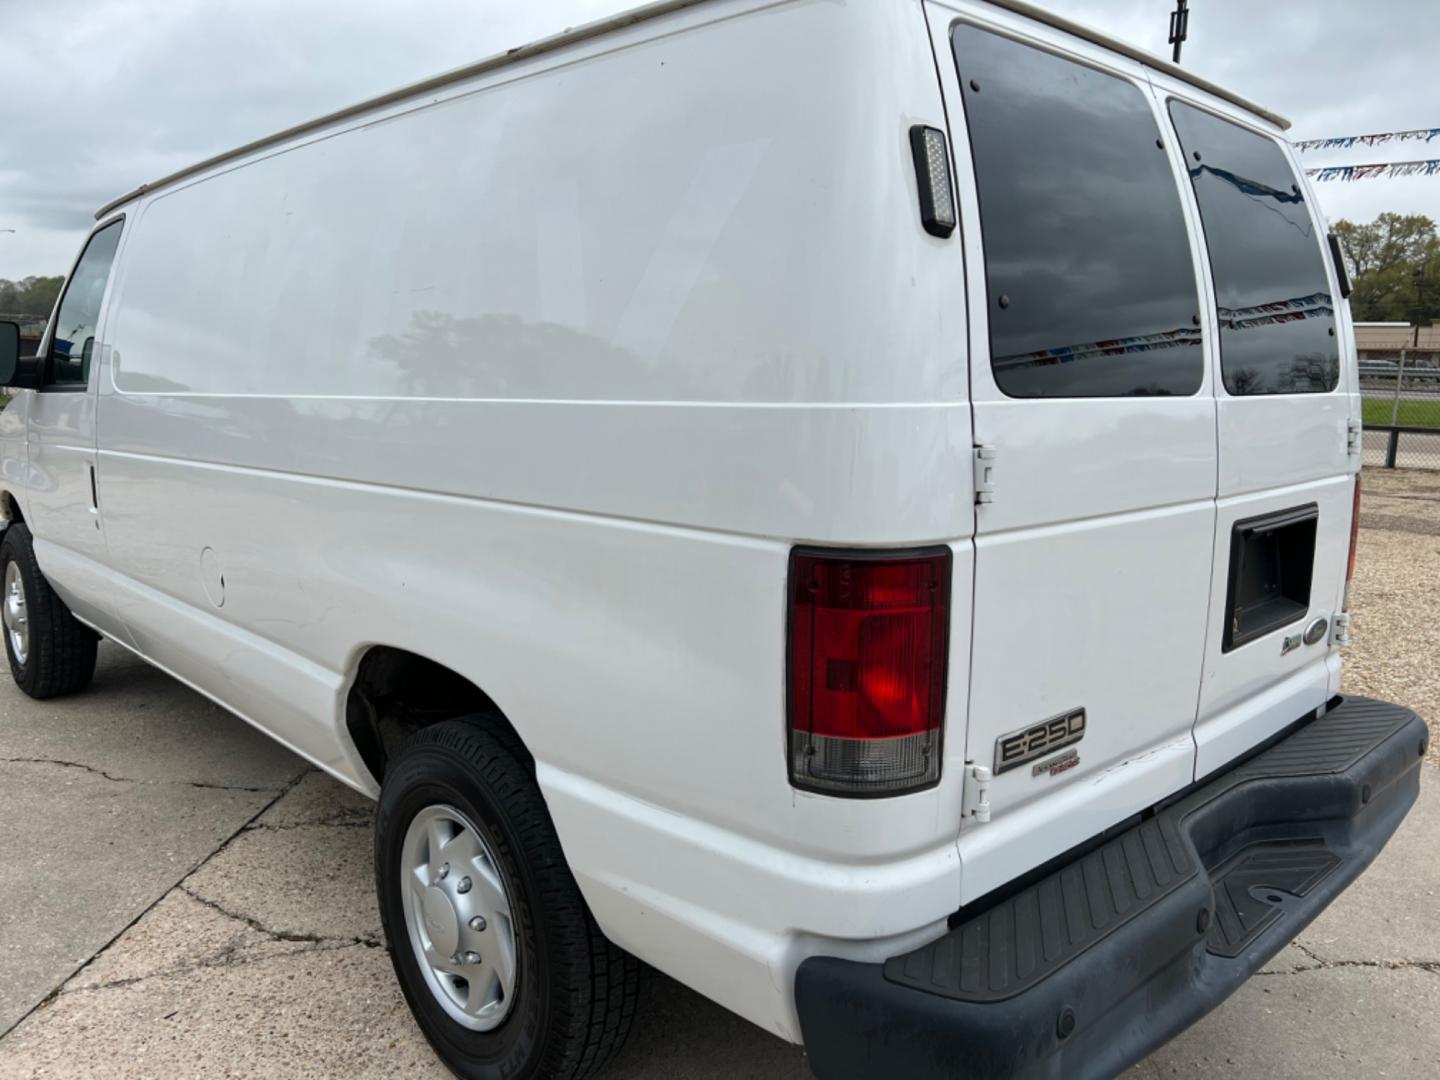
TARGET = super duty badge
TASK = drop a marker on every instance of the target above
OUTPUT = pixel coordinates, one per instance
(1029, 743)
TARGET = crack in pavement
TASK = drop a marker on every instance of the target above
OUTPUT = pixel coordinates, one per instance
(334, 823)
(66, 764)
(134, 780)
(231, 956)
(204, 786)
(236, 954)
(255, 924)
(1321, 964)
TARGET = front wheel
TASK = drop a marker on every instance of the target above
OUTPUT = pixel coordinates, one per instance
(50, 651)
(497, 954)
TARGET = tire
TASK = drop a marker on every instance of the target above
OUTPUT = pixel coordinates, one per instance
(574, 993)
(59, 653)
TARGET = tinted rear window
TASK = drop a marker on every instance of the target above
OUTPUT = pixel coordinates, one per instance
(1277, 319)
(1092, 291)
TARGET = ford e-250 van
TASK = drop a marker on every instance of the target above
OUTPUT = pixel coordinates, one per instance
(848, 503)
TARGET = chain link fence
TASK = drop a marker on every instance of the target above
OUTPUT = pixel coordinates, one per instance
(1401, 393)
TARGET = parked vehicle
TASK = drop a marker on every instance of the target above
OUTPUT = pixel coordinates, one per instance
(848, 504)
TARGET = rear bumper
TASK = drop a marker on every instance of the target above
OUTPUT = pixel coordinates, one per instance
(1085, 970)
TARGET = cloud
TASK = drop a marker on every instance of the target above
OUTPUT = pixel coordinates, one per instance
(97, 96)
(1333, 67)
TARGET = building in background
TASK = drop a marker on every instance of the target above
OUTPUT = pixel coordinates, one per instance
(1381, 342)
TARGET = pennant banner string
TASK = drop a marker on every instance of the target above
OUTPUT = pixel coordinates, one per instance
(1344, 142)
(1370, 172)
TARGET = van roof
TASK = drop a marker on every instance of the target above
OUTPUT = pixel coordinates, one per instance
(629, 17)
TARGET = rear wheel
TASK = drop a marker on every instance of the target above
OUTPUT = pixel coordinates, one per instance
(50, 651)
(497, 954)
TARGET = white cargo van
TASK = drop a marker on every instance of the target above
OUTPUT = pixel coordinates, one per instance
(846, 503)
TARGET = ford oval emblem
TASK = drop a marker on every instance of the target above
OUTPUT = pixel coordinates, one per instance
(1316, 630)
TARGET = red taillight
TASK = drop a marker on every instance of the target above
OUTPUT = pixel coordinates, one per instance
(1354, 536)
(868, 656)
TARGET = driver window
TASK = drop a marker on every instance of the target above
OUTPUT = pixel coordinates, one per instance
(75, 327)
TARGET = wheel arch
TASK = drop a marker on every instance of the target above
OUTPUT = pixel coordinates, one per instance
(394, 692)
(10, 512)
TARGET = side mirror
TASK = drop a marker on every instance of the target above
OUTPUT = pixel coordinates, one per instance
(15, 371)
(9, 352)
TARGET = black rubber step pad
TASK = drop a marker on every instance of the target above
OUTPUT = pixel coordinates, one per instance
(1252, 887)
(1036, 931)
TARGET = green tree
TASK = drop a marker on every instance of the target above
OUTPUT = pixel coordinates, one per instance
(30, 296)
(1383, 256)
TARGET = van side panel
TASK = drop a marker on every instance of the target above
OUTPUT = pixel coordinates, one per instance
(541, 378)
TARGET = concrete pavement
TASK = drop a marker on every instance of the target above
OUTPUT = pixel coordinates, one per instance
(108, 799)
(239, 884)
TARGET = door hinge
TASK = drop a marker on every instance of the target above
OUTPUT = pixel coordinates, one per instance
(984, 474)
(975, 800)
(1354, 438)
(1340, 629)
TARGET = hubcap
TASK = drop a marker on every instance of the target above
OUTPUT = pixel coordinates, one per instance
(463, 938)
(17, 623)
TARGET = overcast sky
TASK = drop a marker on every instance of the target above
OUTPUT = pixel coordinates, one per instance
(97, 96)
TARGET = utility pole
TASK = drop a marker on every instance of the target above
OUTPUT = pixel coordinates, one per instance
(1179, 27)
(1419, 278)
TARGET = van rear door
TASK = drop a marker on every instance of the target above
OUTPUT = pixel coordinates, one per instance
(1092, 389)
(1287, 455)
